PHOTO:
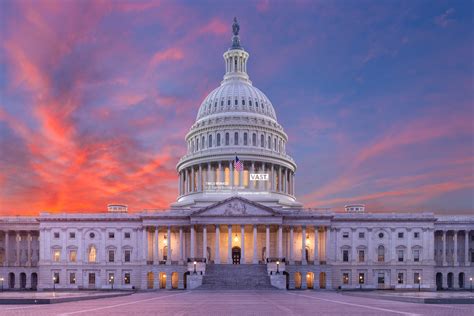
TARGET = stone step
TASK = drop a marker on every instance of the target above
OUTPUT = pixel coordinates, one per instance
(237, 277)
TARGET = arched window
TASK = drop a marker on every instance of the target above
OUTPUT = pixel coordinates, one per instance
(227, 139)
(209, 143)
(218, 139)
(269, 143)
(262, 141)
(245, 139)
(381, 253)
(236, 138)
(92, 254)
(254, 139)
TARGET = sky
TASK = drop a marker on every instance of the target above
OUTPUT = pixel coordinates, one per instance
(375, 96)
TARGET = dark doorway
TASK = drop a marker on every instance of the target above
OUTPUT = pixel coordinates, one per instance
(461, 280)
(439, 281)
(236, 255)
(34, 281)
(23, 280)
(450, 280)
(91, 280)
(11, 280)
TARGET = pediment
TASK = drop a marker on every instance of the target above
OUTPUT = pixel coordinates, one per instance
(236, 206)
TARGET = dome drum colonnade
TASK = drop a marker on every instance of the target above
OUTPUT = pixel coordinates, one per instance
(236, 119)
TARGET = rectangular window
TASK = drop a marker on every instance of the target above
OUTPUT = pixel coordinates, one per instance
(56, 255)
(345, 255)
(72, 255)
(400, 255)
(127, 256)
(416, 255)
(127, 235)
(416, 235)
(361, 278)
(400, 235)
(72, 235)
(416, 278)
(361, 235)
(400, 278)
(111, 256)
(111, 235)
(72, 278)
(126, 278)
(345, 235)
(361, 255)
(381, 278)
(56, 277)
(345, 278)
(56, 235)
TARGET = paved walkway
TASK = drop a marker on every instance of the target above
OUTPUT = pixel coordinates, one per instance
(238, 303)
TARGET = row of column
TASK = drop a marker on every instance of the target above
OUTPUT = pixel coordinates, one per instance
(455, 254)
(194, 179)
(217, 259)
(17, 235)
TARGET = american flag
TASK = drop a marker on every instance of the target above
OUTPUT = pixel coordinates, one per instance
(238, 165)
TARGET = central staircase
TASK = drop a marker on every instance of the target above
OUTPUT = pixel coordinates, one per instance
(236, 277)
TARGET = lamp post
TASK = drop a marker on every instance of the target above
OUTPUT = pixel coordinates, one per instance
(419, 284)
(195, 263)
(278, 267)
(360, 282)
(470, 279)
(112, 281)
(54, 285)
(1, 279)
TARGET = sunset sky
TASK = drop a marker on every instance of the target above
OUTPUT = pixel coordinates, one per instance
(375, 96)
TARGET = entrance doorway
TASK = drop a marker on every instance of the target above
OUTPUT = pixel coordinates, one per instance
(22, 280)
(235, 255)
(91, 280)
(439, 281)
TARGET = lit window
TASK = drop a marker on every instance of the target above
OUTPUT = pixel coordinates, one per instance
(126, 278)
(92, 254)
(56, 255)
(72, 255)
(345, 278)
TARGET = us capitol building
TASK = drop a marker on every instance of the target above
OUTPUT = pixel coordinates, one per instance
(237, 224)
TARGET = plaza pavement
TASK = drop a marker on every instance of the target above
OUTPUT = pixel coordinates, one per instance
(238, 303)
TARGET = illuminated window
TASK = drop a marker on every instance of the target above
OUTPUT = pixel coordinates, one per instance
(126, 278)
(245, 177)
(236, 178)
(345, 278)
(72, 255)
(92, 254)
(56, 255)
(227, 176)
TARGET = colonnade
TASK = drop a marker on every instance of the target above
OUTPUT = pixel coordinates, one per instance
(455, 260)
(221, 174)
(30, 258)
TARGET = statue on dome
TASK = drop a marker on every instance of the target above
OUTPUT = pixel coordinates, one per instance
(235, 27)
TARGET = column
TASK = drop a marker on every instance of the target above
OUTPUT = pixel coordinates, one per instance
(272, 178)
(200, 179)
(455, 255)
(204, 242)
(291, 245)
(285, 186)
(168, 246)
(316, 245)
(444, 249)
(145, 244)
(28, 257)
(18, 248)
(155, 246)
(293, 184)
(303, 245)
(180, 183)
(208, 172)
(255, 256)
(328, 245)
(267, 241)
(280, 242)
(217, 256)
(7, 248)
(241, 175)
(193, 242)
(280, 189)
(229, 244)
(181, 246)
(242, 244)
(262, 184)
(466, 248)
(193, 180)
(221, 173)
(231, 174)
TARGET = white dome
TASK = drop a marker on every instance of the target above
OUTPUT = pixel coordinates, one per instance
(234, 97)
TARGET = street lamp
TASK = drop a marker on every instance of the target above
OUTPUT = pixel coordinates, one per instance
(195, 263)
(360, 282)
(470, 279)
(419, 284)
(54, 285)
(1, 279)
(278, 267)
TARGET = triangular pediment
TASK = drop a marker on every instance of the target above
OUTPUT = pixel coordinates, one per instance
(236, 206)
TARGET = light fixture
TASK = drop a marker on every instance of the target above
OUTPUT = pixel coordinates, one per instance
(236, 239)
(307, 240)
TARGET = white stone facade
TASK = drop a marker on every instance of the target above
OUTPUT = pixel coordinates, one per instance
(221, 216)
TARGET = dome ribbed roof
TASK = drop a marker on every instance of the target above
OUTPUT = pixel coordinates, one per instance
(234, 97)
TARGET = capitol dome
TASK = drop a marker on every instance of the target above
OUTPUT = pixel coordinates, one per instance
(236, 122)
